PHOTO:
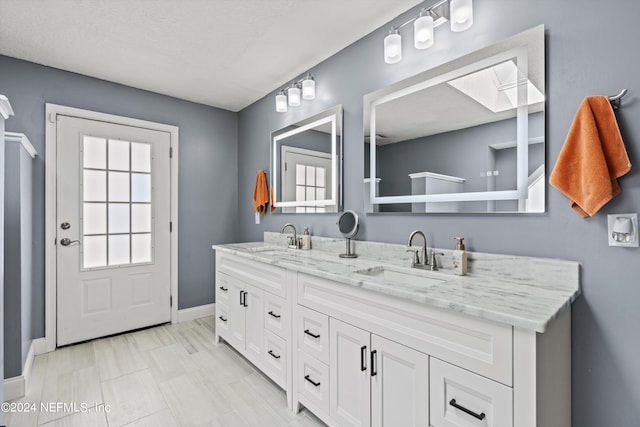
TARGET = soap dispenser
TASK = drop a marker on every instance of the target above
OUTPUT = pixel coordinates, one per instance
(306, 239)
(459, 257)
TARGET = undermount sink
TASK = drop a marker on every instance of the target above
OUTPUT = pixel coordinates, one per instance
(412, 277)
(267, 249)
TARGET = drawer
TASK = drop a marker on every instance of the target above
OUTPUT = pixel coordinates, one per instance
(275, 358)
(264, 276)
(222, 320)
(313, 333)
(461, 398)
(313, 383)
(475, 344)
(222, 289)
(277, 315)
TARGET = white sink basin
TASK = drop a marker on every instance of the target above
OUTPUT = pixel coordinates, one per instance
(411, 277)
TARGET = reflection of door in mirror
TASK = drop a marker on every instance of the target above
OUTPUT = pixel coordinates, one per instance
(306, 176)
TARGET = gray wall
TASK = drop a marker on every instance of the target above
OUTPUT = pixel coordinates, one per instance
(589, 50)
(207, 170)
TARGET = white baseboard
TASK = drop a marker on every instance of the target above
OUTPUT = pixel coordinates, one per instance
(198, 312)
(15, 387)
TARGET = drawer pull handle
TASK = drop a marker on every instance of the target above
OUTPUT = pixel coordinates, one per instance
(453, 403)
(243, 298)
(315, 384)
(222, 318)
(311, 334)
(272, 314)
(363, 358)
(273, 355)
(223, 289)
(374, 363)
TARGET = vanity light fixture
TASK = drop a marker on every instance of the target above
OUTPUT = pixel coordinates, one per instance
(291, 96)
(458, 12)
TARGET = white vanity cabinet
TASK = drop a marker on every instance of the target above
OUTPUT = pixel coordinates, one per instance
(360, 357)
(253, 314)
(394, 362)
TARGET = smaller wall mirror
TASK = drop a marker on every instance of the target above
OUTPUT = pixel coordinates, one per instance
(306, 164)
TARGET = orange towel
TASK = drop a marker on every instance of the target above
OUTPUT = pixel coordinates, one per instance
(592, 158)
(260, 193)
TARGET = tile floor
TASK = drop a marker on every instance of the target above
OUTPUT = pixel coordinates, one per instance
(170, 375)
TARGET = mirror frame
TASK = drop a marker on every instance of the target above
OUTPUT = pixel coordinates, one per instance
(333, 116)
(515, 46)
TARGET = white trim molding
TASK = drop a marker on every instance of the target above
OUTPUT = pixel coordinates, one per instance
(15, 387)
(5, 107)
(198, 312)
(21, 138)
(52, 110)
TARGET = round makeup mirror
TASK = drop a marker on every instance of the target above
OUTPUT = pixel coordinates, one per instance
(348, 226)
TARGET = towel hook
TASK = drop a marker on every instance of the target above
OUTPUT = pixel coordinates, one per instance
(615, 100)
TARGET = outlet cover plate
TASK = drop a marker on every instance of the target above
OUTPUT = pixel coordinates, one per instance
(611, 219)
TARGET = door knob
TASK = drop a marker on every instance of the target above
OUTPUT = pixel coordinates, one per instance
(67, 242)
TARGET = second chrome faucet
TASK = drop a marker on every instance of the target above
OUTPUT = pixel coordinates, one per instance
(426, 262)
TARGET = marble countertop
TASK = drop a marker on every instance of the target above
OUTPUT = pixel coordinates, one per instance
(523, 292)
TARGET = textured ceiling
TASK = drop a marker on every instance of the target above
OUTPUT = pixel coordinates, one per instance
(223, 53)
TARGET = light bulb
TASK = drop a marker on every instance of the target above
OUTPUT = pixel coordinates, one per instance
(308, 87)
(281, 102)
(423, 32)
(393, 47)
(294, 96)
(461, 14)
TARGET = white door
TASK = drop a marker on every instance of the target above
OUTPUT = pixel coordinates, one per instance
(399, 385)
(349, 371)
(254, 331)
(113, 235)
(237, 317)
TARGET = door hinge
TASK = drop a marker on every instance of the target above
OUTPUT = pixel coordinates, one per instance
(55, 241)
(170, 226)
(170, 300)
(171, 152)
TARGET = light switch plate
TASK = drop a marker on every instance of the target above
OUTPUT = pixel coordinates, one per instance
(633, 235)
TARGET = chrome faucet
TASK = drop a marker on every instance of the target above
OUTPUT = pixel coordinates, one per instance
(416, 258)
(292, 240)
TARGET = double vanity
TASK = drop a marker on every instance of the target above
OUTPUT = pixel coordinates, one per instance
(373, 341)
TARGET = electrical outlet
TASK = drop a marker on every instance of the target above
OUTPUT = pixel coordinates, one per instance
(622, 229)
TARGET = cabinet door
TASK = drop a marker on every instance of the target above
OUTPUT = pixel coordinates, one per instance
(254, 327)
(399, 385)
(349, 373)
(236, 320)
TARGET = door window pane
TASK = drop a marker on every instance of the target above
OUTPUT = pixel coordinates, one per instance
(140, 248)
(140, 187)
(94, 218)
(118, 218)
(140, 218)
(118, 155)
(117, 172)
(94, 251)
(140, 157)
(118, 187)
(94, 186)
(94, 152)
(119, 250)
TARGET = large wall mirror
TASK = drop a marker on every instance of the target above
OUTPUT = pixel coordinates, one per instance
(306, 164)
(465, 137)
